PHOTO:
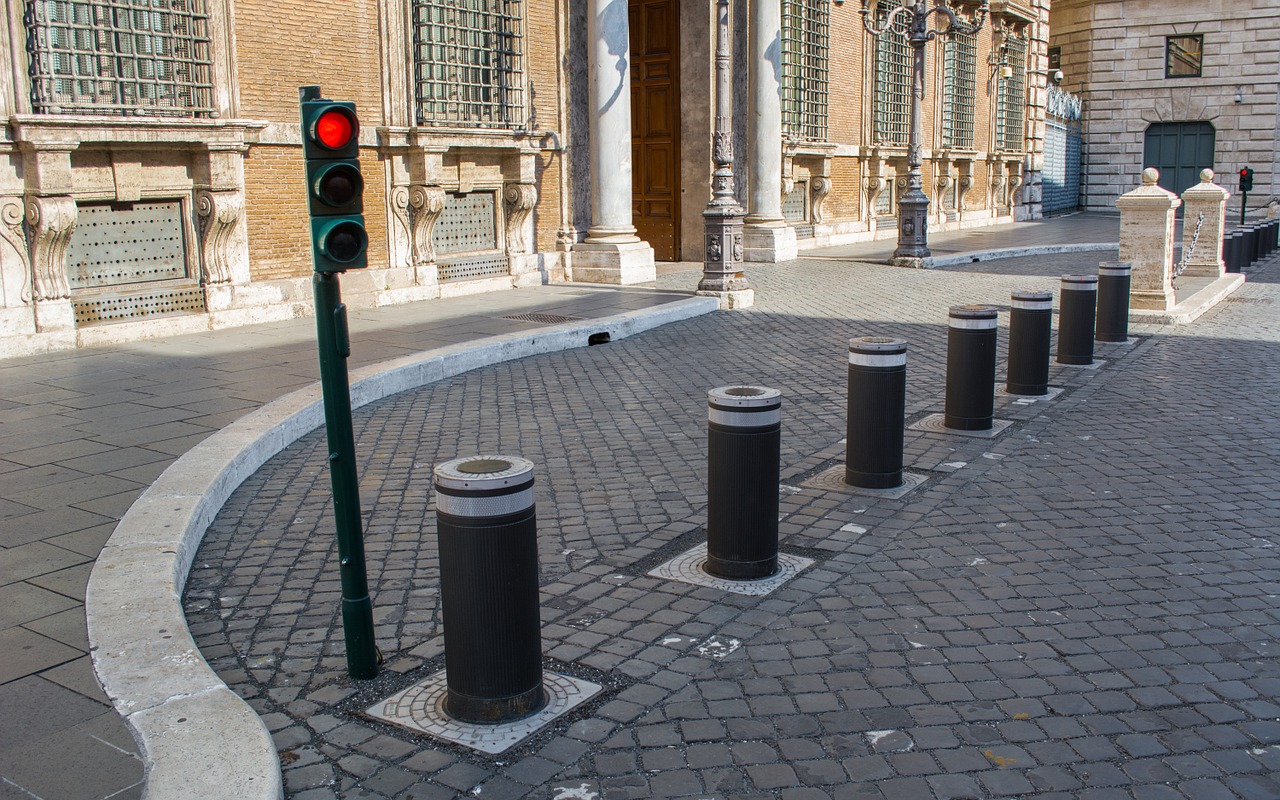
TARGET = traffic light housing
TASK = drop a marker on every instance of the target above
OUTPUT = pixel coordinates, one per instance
(1246, 179)
(335, 187)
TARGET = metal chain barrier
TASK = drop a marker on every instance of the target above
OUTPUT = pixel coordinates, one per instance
(1181, 266)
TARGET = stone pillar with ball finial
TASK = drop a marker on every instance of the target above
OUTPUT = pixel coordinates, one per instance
(1146, 242)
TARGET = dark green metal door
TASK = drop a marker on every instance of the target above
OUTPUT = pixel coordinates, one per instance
(1179, 150)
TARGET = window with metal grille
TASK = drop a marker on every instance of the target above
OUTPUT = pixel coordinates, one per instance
(120, 57)
(1183, 56)
(1013, 95)
(468, 63)
(960, 67)
(891, 120)
(805, 24)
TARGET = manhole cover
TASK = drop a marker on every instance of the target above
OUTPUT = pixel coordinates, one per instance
(832, 480)
(936, 423)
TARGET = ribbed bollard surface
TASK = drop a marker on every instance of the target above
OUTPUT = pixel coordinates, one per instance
(1030, 327)
(1231, 249)
(1112, 324)
(488, 532)
(971, 368)
(744, 440)
(1077, 310)
(876, 408)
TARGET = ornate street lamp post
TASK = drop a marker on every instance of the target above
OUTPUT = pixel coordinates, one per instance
(722, 274)
(913, 207)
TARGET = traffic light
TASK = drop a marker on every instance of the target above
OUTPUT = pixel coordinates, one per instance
(1246, 180)
(335, 187)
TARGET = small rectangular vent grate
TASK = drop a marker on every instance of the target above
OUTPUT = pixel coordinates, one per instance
(545, 319)
(154, 301)
(467, 269)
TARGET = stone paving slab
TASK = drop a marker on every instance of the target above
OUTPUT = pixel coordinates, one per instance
(1083, 607)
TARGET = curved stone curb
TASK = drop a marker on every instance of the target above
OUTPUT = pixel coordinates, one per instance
(1019, 252)
(197, 737)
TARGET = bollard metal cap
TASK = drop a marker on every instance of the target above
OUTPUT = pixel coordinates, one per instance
(744, 397)
(484, 473)
(1087, 283)
(973, 312)
(1115, 269)
(1031, 296)
(877, 345)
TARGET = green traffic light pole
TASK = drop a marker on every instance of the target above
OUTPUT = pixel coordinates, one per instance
(334, 338)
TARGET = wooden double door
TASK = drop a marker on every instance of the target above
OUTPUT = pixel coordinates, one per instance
(655, 125)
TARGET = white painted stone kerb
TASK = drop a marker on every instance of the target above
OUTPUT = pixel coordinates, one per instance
(197, 737)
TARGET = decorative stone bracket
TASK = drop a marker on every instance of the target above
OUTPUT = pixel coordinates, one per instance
(219, 213)
(520, 199)
(50, 222)
(425, 205)
(12, 215)
(819, 188)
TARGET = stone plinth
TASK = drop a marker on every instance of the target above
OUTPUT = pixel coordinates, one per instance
(618, 264)
(769, 241)
(1146, 241)
(1210, 200)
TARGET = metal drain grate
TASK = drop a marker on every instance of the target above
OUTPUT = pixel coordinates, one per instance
(1259, 301)
(153, 301)
(545, 319)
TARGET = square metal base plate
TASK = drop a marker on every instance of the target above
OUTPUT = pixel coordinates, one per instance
(832, 480)
(936, 423)
(1097, 364)
(1027, 399)
(420, 708)
(688, 568)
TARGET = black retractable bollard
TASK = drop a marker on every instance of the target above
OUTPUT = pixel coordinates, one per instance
(1114, 278)
(1273, 238)
(1077, 310)
(744, 445)
(877, 404)
(1030, 326)
(488, 534)
(971, 368)
(1253, 248)
(1231, 251)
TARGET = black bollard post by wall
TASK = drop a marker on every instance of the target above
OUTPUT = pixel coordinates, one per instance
(971, 368)
(877, 401)
(1231, 251)
(744, 441)
(1253, 246)
(1112, 324)
(488, 534)
(1030, 327)
(1077, 310)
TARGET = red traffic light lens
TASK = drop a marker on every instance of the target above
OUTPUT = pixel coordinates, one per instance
(334, 128)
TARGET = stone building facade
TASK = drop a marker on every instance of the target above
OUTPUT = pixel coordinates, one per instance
(151, 175)
(1175, 86)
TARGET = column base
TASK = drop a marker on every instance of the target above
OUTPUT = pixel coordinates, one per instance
(741, 298)
(616, 264)
(1205, 270)
(1147, 300)
(769, 242)
(911, 262)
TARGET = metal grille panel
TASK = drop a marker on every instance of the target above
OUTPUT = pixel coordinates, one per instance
(114, 245)
(805, 25)
(468, 63)
(1061, 152)
(466, 269)
(892, 107)
(467, 224)
(884, 201)
(1013, 97)
(795, 203)
(119, 57)
(960, 68)
(153, 301)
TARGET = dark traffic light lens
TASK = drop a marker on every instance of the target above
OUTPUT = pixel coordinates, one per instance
(345, 242)
(334, 128)
(339, 185)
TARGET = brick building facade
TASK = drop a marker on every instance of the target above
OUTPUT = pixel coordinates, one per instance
(151, 170)
(1175, 86)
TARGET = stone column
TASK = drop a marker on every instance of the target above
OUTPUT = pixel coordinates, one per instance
(1146, 241)
(1209, 199)
(612, 253)
(768, 237)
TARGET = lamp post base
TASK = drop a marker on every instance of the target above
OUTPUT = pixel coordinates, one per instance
(735, 298)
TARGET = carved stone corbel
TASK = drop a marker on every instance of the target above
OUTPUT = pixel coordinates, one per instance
(50, 222)
(873, 187)
(520, 199)
(12, 214)
(401, 233)
(219, 212)
(819, 188)
(425, 205)
(997, 184)
(1015, 183)
(965, 183)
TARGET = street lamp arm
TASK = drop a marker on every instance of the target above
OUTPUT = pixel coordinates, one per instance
(958, 25)
(889, 21)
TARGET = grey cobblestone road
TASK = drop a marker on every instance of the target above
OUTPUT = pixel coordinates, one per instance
(1083, 607)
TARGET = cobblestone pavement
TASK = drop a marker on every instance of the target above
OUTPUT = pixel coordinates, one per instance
(83, 432)
(1082, 607)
